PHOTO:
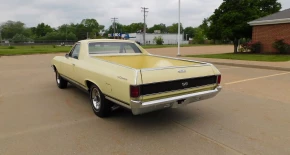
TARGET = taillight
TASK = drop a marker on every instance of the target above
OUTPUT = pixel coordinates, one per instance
(219, 78)
(134, 91)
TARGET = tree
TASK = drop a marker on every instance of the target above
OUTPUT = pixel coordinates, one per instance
(204, 26)
(92, 27)
(174, 28)
(90, 23)
(71, 36)
(27, 32)
(161, 27)
(118, 28)
(19, 38)
(102, 27)
(81, 31)
(190, 31)
(126, 29)
(42, 29)
(229, 21)
(57, 35)
(132, 28)
(199, 36)
(267, 7)
(11, 28)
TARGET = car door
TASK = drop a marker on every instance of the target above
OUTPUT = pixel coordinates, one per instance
(69, 63)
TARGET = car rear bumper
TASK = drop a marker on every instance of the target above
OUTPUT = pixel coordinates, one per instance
(139, 107)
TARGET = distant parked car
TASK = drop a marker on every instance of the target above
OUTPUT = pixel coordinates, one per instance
(138, 42)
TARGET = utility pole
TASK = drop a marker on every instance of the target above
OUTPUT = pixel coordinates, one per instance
(0, 36)
(114, 25)
(144, 31)
(178, 54)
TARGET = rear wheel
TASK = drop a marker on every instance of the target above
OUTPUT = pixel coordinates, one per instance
(100, 105)
(61, 82)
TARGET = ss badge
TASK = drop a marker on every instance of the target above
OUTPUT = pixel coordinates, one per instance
(184, 84)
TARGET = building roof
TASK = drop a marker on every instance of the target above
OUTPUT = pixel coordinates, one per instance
(276, 18)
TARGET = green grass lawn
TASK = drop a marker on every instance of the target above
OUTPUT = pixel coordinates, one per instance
(24, 50)
(246, 56)
(43, 49)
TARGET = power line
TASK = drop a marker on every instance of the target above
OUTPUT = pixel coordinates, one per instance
(114, 24)
(144, 10)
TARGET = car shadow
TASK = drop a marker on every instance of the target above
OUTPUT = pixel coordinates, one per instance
(125, 119)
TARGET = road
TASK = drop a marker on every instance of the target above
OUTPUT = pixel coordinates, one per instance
(250, 116)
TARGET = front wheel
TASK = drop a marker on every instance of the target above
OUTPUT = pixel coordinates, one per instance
(100, 105)
(61, 82)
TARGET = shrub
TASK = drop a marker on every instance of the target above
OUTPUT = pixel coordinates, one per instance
(252, 46)
(158, 40)
(54, 46)
(244, 47)
(11, 47)
(19, 38)
(255, 47)
(282, 46)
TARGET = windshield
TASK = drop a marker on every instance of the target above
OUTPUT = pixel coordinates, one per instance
(112, 48)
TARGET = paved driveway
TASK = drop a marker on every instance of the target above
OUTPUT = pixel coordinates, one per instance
(250, 116)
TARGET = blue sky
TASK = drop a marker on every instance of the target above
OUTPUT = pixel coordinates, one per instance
(57, 12)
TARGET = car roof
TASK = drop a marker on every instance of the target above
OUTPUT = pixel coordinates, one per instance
(105, 40)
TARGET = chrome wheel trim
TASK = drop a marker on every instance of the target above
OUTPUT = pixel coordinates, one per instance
(57, 78)
(96, 99)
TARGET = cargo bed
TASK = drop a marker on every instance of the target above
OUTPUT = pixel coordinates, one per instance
(146, 61)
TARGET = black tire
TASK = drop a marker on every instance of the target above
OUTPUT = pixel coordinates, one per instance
(61, 82)
(100, 105)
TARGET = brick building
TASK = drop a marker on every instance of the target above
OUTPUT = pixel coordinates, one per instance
(269, 28)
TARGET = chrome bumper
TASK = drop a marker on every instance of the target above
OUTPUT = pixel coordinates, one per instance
(139, 107)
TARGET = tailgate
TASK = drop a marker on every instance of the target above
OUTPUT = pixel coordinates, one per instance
(175, 79)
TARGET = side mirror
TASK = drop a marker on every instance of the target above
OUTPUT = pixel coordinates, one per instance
(66, 55)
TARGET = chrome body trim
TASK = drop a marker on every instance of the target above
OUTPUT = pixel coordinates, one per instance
(136, 77)
(139, 107)
(118, 102)
(179, 59)
(74, 82)
(182, 71)
(173, 67)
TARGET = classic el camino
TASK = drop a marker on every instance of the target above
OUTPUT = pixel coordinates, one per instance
(122, 73)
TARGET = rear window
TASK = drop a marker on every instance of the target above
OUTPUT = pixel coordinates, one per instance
(112, 48)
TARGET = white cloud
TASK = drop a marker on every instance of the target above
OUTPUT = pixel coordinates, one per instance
(57, 12)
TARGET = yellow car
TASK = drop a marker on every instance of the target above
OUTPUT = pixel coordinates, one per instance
(121, 72)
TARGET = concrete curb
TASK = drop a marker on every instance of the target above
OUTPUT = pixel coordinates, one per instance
(250, 66)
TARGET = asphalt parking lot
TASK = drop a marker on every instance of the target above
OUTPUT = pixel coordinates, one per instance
(250, 116)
